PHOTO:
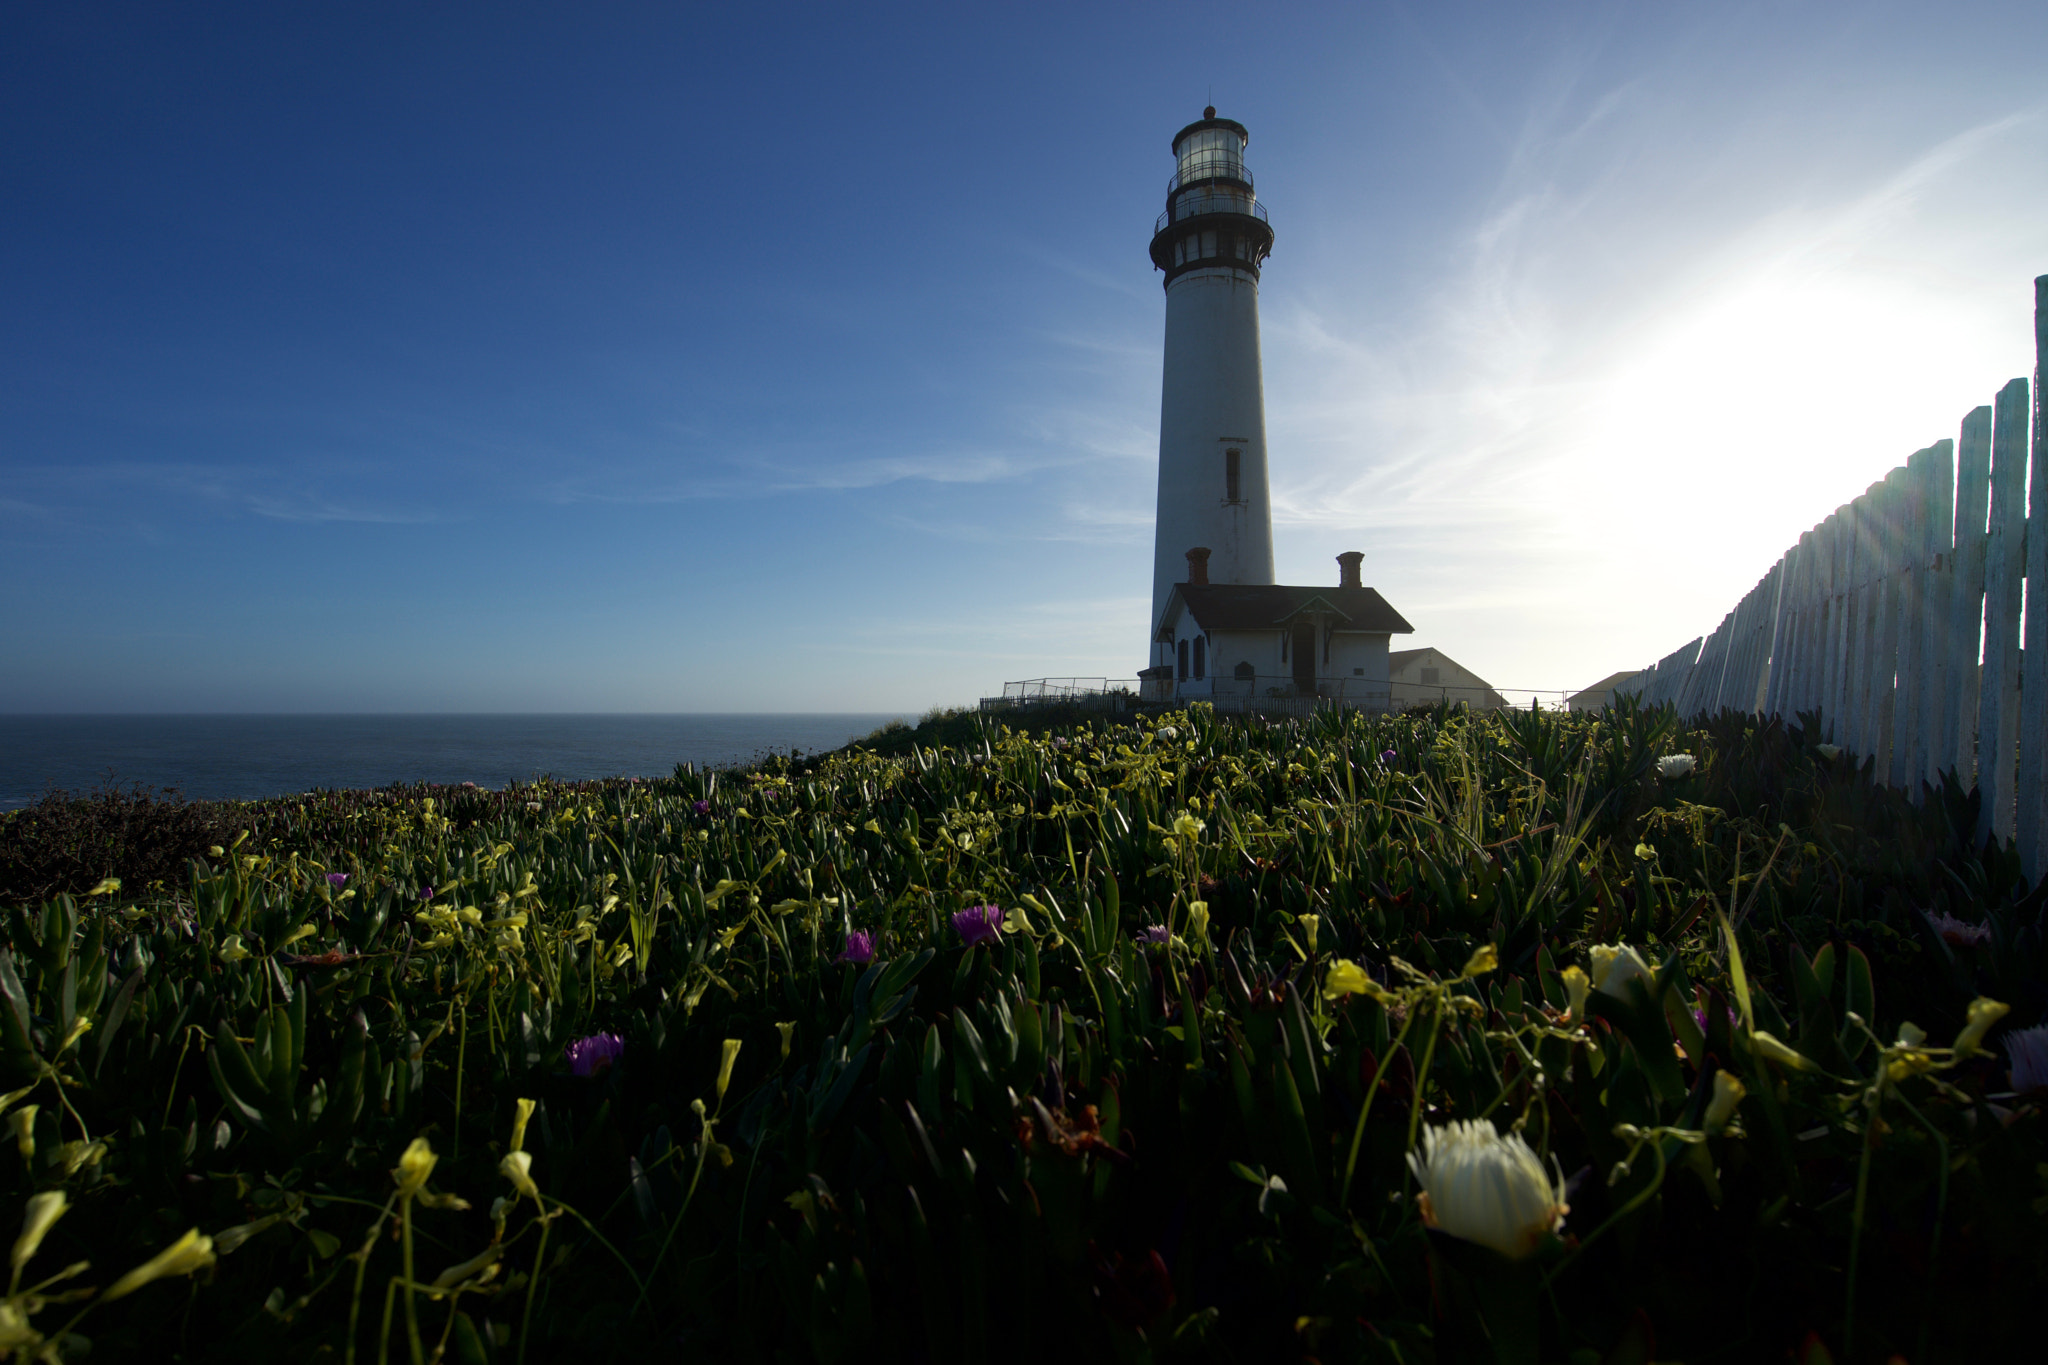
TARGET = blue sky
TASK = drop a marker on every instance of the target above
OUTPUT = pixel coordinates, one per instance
(692, 358)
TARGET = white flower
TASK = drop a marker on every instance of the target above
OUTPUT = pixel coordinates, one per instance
(1487, 1188)
(1958, 933)
(2027, 1050)
(1617, 964)
(1830, 752)
(1674, 766)
(1168, 732)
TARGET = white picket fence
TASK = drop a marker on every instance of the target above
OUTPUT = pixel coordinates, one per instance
(1898, 620)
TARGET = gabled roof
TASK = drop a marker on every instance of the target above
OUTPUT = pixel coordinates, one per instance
(1398, 659)
(1605, 685)
(1269, 606)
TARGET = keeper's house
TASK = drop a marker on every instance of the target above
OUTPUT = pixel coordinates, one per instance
(1242, 644)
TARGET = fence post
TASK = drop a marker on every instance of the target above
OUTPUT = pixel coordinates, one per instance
(2004, 565)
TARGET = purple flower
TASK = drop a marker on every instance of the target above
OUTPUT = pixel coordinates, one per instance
(860, 947)
(1154, 933)
(337, 879)
(702, 807)
(978, 924)
(1387, 756)
(588, 1056)
(426, 893)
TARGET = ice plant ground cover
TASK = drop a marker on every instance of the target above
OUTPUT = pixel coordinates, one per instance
(1124, 1043)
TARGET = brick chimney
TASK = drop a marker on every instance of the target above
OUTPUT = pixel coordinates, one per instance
(1198, 567)
(1347, 568)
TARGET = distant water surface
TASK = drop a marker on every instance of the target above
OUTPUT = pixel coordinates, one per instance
(247, 757)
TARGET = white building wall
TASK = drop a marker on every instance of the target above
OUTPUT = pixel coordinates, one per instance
(1358, 661)
(1212, 400)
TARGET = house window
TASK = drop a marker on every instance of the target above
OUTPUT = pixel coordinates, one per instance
(1183, 659)
(1431, 677)
(1232, 483)
(1201, 657)
(1244, 672)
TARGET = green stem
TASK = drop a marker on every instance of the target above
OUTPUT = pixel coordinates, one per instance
(533, 1288)
(1656, 1181)
(674, 1227)
(1358, 1133)
(355, 1303)
(461, 1053)
(412, 1312)
(1862, 1202)
(1436, 1021)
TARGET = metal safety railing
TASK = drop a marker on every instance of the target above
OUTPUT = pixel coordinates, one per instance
(1196, 206)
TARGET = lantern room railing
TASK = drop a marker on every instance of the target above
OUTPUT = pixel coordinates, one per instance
(1207, 204)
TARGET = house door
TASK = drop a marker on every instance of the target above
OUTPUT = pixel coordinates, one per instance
(1303, 650)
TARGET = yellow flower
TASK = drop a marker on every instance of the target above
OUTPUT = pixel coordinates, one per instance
(1198, 918)
(1015, 922)
(42, 1214)
(106, 887)
(1728, 1092)
(1577, 987)
(517, 1167)
(522, 1110)
(1186, 826)
(24, 1121)
(189, 1253)
(1487, 1188)
(1485, 958)
(231, 949)
(414, 1167)
(1346, 977)
(14, 1329)
(729, 1055)
(1309, 925)
(1984, 1012)
(786, 1030)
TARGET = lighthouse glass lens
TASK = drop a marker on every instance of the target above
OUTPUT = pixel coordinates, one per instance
(1211, 152)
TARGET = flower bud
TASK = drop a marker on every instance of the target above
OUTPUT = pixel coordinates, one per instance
(1309, 925)
(1728, 1092)
(189, 1253)
(1771, 1050)
(1617, 964)
(24, 1121)
(43, 1212)
(522, 1110)
(730, 1055)
(1577, 987)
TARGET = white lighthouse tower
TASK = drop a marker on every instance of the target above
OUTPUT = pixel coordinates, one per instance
(1212, 407)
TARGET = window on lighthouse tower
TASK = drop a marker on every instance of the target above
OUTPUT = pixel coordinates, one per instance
(1232, 482)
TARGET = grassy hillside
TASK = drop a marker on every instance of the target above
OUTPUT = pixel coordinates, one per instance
(1143, 1042)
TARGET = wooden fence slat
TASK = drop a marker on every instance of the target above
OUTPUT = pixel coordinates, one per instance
(1966, 607)
(2032, 788)
(2004, 569)
(1936, 559)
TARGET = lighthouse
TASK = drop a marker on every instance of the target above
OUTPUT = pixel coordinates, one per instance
(1210, 242)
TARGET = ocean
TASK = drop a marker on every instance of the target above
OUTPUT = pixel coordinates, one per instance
(249, 757)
